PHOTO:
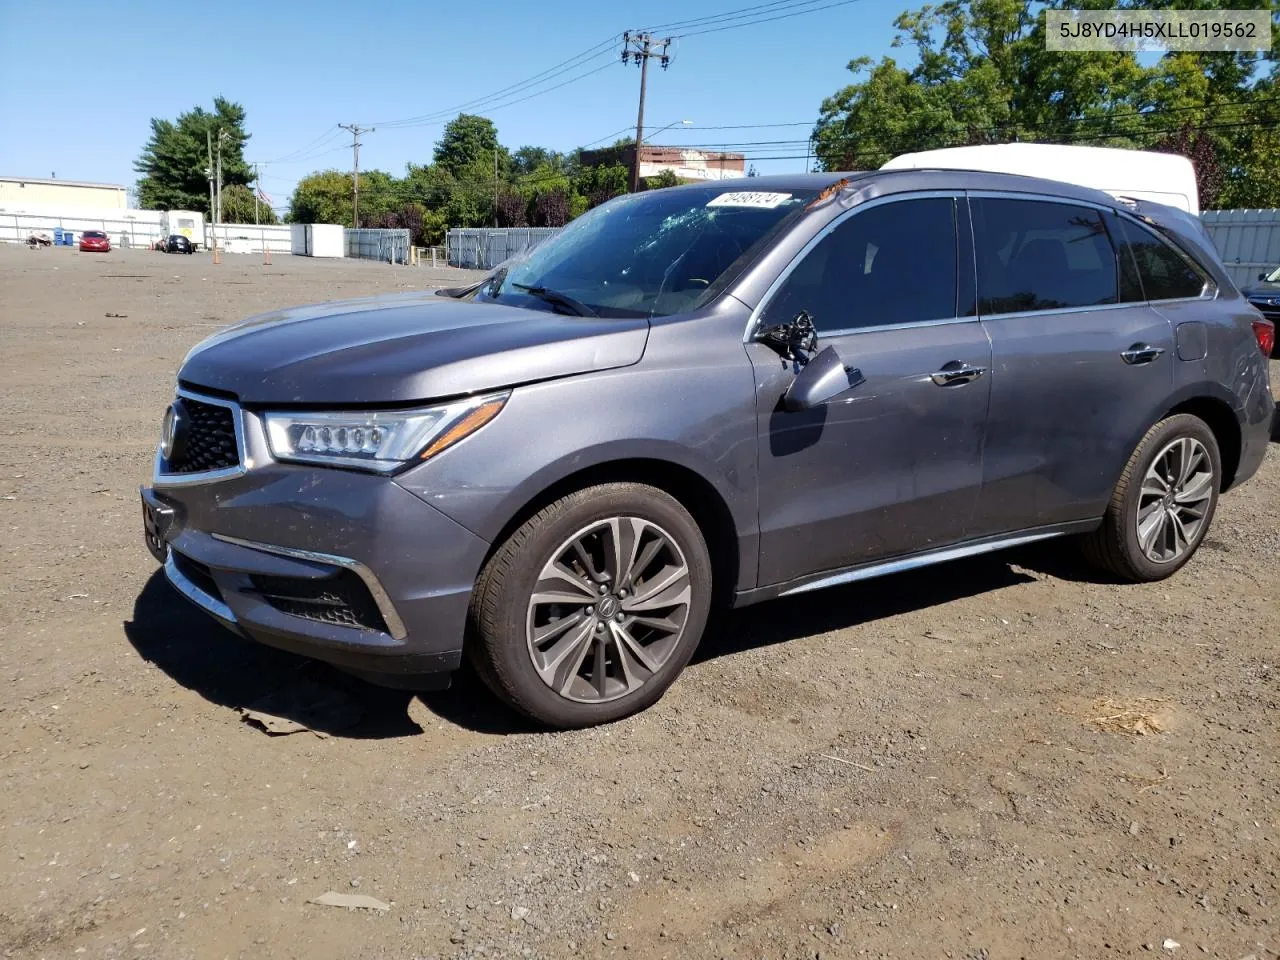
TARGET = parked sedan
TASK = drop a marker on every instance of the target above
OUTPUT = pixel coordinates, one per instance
(177, 243)
(703, 396)
(95, 241)
(1265, 295)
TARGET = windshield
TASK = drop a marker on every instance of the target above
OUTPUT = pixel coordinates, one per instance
(646, 254)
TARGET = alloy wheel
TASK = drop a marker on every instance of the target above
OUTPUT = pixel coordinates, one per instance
(608, 609)
(1174, 500)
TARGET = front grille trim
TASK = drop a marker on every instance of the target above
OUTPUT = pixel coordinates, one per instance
(162, 476)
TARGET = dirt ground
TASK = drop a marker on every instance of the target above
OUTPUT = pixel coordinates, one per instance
(916, 767)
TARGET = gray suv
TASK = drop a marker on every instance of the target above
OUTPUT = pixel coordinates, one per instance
(705, 396)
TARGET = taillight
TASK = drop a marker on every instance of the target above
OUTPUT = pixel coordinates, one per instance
(1265, 331)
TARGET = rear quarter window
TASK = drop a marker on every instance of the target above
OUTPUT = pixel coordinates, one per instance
(1165, 273)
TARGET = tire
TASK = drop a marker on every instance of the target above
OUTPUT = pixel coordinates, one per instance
(556, 681)
(1117, 546)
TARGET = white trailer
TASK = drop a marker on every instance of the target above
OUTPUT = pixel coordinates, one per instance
(185, 223)
(1143, 175)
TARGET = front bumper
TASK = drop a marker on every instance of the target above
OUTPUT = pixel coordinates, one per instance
(344, 567)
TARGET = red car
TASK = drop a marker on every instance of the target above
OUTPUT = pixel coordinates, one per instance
(95, 241)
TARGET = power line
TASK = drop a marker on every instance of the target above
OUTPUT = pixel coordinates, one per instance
(742, 11)
(328, 135)
(605, 47)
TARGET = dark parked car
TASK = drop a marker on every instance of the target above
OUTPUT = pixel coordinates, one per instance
(95, 241)
(1265, 296)
(177, 243)
(707, 395)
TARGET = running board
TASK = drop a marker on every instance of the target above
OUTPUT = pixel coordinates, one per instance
(915, 561)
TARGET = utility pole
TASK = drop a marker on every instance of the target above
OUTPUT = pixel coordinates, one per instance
(640, 47)
(495, 185)
(208, 142)
(355, 130)
(222, 135)
(257, 188)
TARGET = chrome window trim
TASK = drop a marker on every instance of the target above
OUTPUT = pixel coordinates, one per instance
(161, 479)
(188, 589)
(1058, 311)
(752, 332)
(395, 626)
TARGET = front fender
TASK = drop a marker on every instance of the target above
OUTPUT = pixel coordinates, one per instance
(700, 417)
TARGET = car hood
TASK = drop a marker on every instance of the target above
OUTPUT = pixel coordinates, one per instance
(404, 348)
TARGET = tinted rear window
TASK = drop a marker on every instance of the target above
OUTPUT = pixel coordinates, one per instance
(1165, 274)
(1039, 255)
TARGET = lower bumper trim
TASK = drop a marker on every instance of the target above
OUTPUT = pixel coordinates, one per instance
(186, 587)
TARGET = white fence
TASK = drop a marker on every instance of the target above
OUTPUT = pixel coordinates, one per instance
(125, 228)
(248, 238)
(368, 243)
(482, 248)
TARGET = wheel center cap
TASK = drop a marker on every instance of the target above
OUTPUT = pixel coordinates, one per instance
(609, 607)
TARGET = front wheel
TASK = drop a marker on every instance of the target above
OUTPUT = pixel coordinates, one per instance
(590, 610)
(1161, 509)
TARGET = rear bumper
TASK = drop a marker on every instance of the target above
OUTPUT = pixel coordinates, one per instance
(394, 575)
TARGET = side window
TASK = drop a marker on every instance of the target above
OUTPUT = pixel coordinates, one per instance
(893, 263)
(1039, 255)
(1165, 274)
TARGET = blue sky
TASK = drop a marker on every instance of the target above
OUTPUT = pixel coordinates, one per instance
(85, 78)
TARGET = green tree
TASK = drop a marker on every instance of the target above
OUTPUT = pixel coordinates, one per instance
(238, 207)
(528, 159)
(174, 163)
(322, 197)
(380, 193)
(983, 75)
(664, 178)
(468, 140)
(598, 184)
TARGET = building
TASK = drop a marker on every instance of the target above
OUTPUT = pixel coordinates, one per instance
(21, 193)
(685, 163)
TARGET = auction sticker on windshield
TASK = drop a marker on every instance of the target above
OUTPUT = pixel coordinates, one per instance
(749, 198)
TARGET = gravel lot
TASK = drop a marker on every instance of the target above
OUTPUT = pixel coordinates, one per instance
(902, 768)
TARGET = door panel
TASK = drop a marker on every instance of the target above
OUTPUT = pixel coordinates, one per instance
(1066, 411)
(891, 466)
(1077, 375)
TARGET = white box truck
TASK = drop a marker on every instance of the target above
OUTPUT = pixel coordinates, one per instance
(185, 223)
(1140, 174)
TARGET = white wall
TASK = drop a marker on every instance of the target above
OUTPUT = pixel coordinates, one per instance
(16, 192)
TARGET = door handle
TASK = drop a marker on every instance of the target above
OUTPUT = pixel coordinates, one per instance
(956, 372)
(1141, 353)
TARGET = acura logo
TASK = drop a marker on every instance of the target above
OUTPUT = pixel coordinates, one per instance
(173, 432)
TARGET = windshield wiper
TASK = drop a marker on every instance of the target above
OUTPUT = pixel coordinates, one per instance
(555, 297)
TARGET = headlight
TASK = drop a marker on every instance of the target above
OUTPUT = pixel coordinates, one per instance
(377, 440)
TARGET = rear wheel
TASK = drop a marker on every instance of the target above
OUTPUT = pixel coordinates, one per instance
(1161, 509)
(590, 610)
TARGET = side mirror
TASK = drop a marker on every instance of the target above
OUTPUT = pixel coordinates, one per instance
(1262, 275)
(823, 377)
